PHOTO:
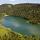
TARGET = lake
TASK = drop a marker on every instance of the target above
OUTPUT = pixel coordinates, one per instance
(21, 25)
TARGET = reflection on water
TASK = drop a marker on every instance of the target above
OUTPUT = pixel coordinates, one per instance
(19, 24)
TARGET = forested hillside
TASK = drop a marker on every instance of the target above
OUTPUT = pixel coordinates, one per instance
(30, 12)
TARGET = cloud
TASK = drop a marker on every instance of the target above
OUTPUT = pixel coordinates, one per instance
(11, 0)
(19, 1)
(0, 4)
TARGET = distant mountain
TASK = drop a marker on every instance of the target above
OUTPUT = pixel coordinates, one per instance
(23, 4)
(27, 10)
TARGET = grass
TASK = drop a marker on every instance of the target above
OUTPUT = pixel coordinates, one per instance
(8, 34)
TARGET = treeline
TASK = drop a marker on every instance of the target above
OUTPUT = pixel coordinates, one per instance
(29, 11)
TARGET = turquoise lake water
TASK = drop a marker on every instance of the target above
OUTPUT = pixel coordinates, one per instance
(20, 25)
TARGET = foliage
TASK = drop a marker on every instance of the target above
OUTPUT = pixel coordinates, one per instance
(28, 11)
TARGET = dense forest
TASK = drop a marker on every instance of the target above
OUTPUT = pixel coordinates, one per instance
(30, 12)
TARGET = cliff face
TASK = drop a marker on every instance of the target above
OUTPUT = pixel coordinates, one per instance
(29, 11)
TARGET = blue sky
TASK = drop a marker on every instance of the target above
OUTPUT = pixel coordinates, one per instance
(18, 1)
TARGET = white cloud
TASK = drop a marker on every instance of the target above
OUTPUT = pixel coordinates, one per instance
(11, 0)
(0, 4)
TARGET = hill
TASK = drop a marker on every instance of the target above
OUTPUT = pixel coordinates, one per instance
(29, 11)
(8, 34)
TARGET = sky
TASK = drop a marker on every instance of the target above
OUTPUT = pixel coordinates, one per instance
(18, 1)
